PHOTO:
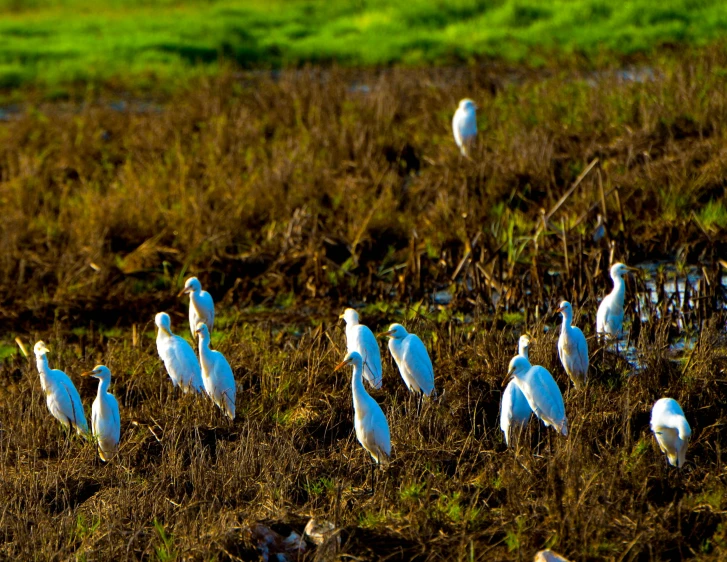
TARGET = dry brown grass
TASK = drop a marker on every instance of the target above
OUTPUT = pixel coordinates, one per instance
(292, 195)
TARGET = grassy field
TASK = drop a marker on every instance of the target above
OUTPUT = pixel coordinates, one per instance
(54, 43)
(295, 194)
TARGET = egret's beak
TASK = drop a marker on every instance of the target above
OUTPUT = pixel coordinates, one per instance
(389, 333)
(340, 316)
(89, 373)
(341, 365)
(561, 309)
(632, 269)
(184, 291)
(45, 349)
(507, 378)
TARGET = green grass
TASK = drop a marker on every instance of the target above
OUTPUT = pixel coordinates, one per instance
(54, 43)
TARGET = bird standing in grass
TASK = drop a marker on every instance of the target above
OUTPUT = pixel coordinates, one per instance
(201, 305)
(61, 396)
(610, 316)
(178, 356)
(572, 348)
(514, 408)
(361, 339)
(541, 392)
(105, 420)
(413, 360)
(219, 382)
(464, 126)
(372, 429)
(671, 430)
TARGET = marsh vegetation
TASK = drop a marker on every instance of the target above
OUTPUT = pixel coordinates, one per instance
(296, 194)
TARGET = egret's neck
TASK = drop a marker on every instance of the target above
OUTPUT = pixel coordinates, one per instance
(524, 349)
(619, 288)
(357, 386)
(103, 385)
(567, 321)
(42, 363)
(204, 346)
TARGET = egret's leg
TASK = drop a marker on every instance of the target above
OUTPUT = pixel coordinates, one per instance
(419, 407)
(373, 466)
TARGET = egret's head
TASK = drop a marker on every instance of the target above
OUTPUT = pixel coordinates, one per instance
(202, 331)
(517, 368)
(396, 332)
(565, 308)
(523, 345)
(467, 105)
(99, 372)
(352, 358)
(40, 348)
(350, 316)
(620, 269)
(191, 285)
(163, 322)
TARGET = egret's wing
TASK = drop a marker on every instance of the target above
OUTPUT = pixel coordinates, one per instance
(224, 381)
(547, 396)
(468, 126)
(68, 401)
(206, 309)
(456, 127)
(366, 344)
(381, 430)
(182, 361)
(581, 346)
(417, 361)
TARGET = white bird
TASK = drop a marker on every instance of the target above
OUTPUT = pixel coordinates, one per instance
(671, 430)
(523, 346)
(219, 382)
(178, 356)
(61, 396)
(360, 338)
(201, 305)
(572, 347)
(610, 316)
(514, 408)
(372, 429)
(105, 419)
(464, 125)
(541, 392)
(412, 359)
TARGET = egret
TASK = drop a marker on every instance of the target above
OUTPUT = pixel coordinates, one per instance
(523, 346)
(541, 392)
(671, 430)
(219, 382)
(412, 359)
(464, 125)
(178, 356)
(105, 419)
(201, 305)
(572, 347)
(372, 429)
(514, 407)
(360, 338)
(610, 316)
(61, 396)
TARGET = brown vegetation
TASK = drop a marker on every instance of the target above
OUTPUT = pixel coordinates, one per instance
(293, 194)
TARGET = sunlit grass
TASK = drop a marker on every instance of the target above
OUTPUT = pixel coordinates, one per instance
(160, 43)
